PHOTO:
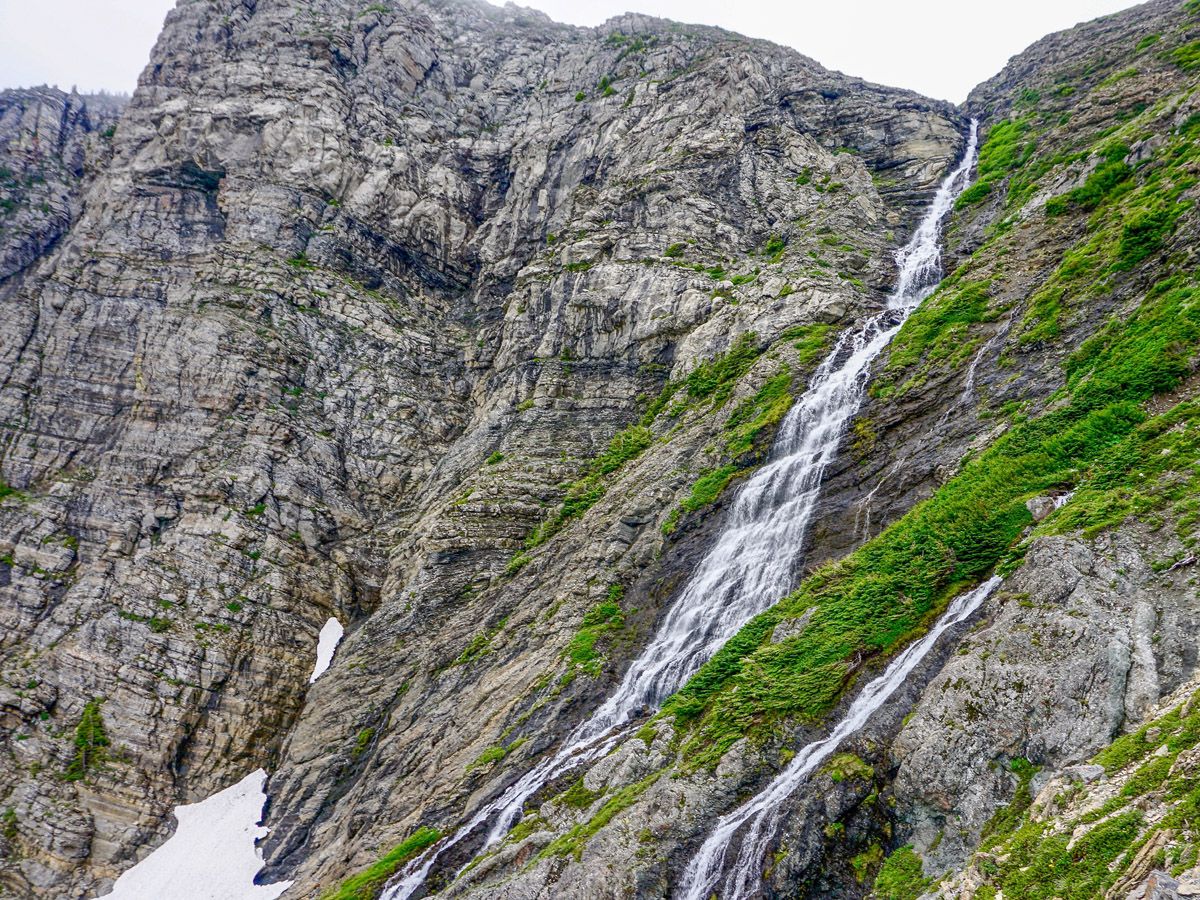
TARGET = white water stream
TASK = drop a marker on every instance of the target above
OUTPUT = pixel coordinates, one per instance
(752, 563)
(761, 815)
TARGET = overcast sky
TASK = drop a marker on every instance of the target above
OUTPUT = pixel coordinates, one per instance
(942, 48)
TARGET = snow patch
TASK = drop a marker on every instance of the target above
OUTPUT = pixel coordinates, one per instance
(331, 636)
(211, 855)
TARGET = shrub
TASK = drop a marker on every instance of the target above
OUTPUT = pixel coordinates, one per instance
(602, 619)
(1143, 235)
(91, 742)
(1187, 56)
(901, 877)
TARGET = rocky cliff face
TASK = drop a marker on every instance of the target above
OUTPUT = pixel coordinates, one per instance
(51, 145)
(463, 326)
(358, 292)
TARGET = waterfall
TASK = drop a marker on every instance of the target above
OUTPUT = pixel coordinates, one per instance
(752, 563)
(761, 815)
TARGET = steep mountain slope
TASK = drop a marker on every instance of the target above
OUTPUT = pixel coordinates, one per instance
(51, 143)
(464, 327)
(362, 290)
(1057, 358)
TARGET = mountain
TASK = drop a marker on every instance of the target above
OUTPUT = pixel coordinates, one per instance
(487, 337)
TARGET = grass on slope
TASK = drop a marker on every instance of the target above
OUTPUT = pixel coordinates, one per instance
(1082, 851)
(369, 883)
(879, 597)
(711, 383)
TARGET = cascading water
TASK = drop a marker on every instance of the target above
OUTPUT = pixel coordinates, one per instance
(752, 564)
(761, 815)
(758, 819)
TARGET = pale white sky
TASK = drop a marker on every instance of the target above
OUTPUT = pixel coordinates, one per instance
(942, 48)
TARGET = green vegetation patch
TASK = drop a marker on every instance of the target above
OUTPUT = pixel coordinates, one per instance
(1109, 179)
(811, 342)
(583, 494)
(494, 754)
(1135, 212)
(573, 842)
(711, 382)
(361, 742)
(480, 644)
(602, 620)
(1004, 150)
(706, 490)
(91, 742)
(1007, 818)
(877, 599)
(1143, 234)
(939, 332)
(1148, 777)
(1154, 464)
(901, 876)
(774, 248)
(1045, 866)
(578, 796)
(369, 884)
(750, 427)
(708, 487)
(866, 863)
(755, 419)
(1187, 56)
(847, 766)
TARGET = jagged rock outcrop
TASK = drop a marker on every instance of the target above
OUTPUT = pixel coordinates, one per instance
(1080, 226)
(51, 145)
(356, 291)
(463, 326)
